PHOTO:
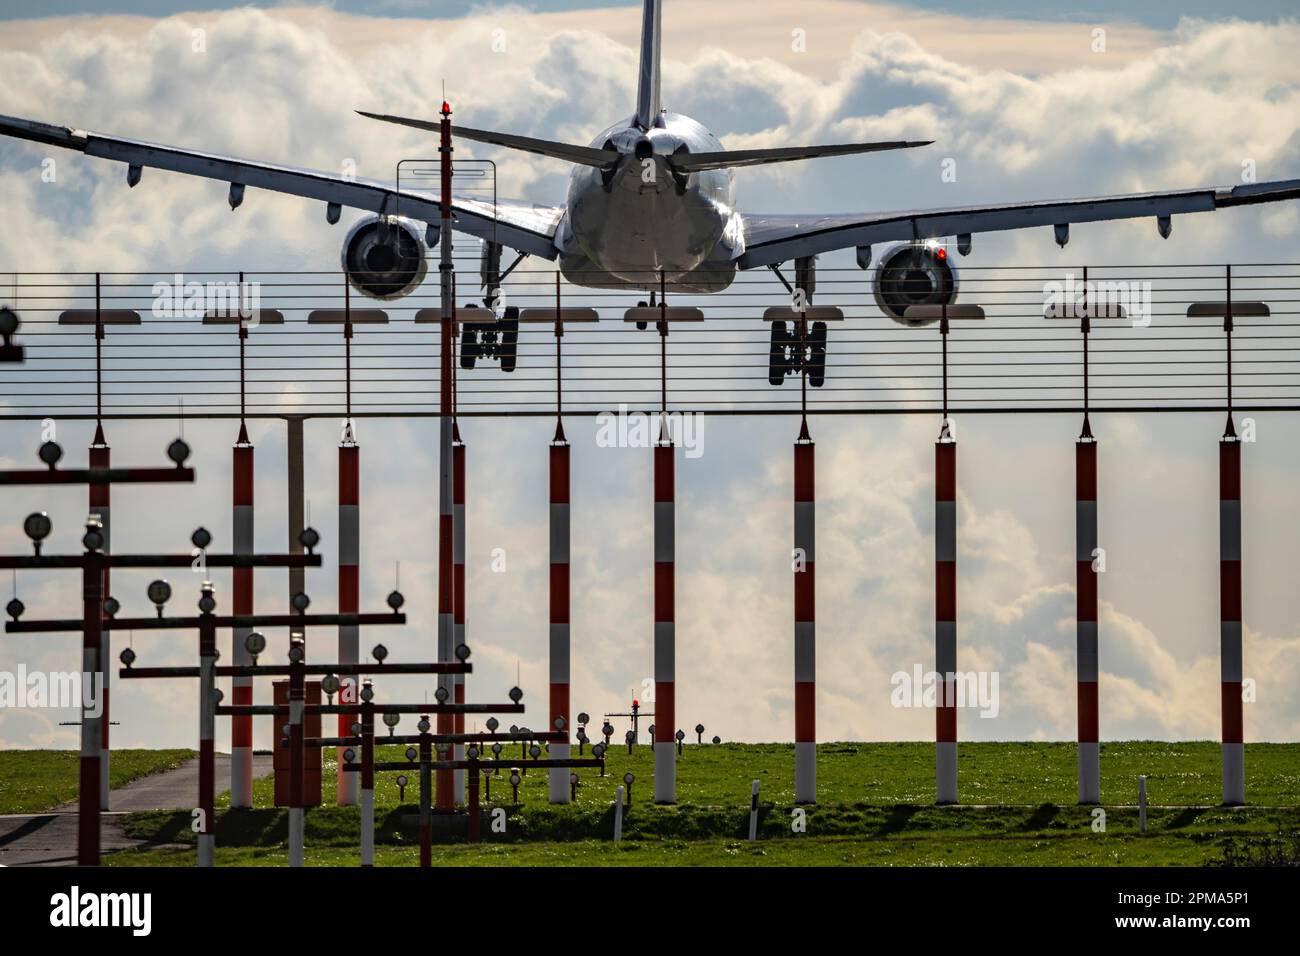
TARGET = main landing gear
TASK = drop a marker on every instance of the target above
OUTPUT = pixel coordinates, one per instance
(790, 354)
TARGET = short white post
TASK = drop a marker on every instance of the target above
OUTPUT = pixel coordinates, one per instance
(1142, 803)
(753, 814)
(618, 814)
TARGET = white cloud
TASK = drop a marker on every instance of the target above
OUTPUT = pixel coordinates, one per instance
(281, 86)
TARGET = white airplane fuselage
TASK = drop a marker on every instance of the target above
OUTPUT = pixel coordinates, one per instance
(625, 229)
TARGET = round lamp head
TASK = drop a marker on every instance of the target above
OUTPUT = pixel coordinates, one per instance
(127, 657)
(8, 321)
(441, 695)
(496, 748)
(598, 750)
(395, 600)
(255, 643)
(37, 525)
(559, 723)
(201, 538)
(493, 724)
(356, 728)
(472, 752)
(514, 778)
(680, 735)
(111, 606)
(462, 652)
(93, 539)
(300, 602)
(208, 602)
(296, 652)
(411, 753)
(380, 653)
(329, 684)
(573, 779)
(50, 453)
(535, 751)
(367, 693)
(608, 729)
(629, 736)
(516, 694)
(392, 719)
(717, 740)
(309, 538)
(402, 781)
(15, 608)
(349, 755)
(584, 718)
(423, 725)
(160, 592)
(178, 451)
(699, 728)
(629, 778)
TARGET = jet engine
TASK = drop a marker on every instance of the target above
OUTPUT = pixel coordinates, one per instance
(918, 273)
(383, 256)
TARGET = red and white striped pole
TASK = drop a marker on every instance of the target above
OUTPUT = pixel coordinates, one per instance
(1085, 538)
(241, 726)
(665, 618)
(805, 617)
(458, 588)
(100, 456)
(559, 636)
(444, 779)
(1230, 658)
(945, 616)
(348, 784)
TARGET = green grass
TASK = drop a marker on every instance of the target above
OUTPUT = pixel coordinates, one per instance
(35, 780)
(1179, 774)
(875, 808)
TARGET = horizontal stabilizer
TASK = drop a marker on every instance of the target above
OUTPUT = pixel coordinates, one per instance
(582, 155)
(696, 162)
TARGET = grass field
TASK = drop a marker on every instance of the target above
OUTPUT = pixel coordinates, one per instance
(875, 808)
(36, 780)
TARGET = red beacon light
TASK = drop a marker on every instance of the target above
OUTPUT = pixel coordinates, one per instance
(636, 703)
(941, 253)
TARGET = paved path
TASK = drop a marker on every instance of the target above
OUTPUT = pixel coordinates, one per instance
(50, 839)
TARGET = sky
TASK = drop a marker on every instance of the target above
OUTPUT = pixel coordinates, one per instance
(1015, 95)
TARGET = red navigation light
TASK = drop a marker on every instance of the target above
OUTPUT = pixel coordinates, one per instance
(941, 253)
(636, 703)
(446, 108)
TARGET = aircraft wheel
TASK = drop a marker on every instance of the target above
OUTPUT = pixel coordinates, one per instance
(508, 349)
(817, 356)
(776, 362)
(469, 348)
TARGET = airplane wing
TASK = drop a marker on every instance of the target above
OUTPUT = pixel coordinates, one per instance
(524, 226)
(781, 237)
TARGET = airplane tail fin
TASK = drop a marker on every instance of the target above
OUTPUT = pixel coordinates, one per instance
(647, 91)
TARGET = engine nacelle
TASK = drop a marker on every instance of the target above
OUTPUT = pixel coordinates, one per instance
(918, 273)
(383, 256)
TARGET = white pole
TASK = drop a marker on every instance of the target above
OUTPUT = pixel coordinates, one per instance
(367, 828)
(753, 814)
(618, 814)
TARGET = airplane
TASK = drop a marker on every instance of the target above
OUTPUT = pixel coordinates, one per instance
(651, 204)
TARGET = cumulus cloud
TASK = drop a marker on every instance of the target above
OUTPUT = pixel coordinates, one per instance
(1164, 111)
